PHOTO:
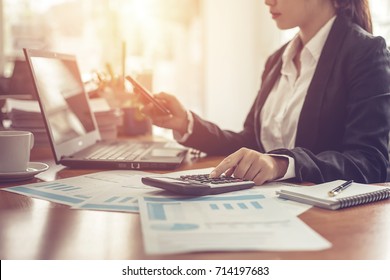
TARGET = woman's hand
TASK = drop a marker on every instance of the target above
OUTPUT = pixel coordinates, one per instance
(177, 120)
(252, 165)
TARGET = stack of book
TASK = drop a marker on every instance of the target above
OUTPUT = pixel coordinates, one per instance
(26, 115)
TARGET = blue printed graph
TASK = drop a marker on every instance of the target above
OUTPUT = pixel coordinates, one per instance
(156, 205)
(236, 206)
(114, 203)
(174, 227)
(55, 191)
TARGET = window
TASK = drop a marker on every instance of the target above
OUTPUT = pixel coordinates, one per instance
(161, 38)
(380, 10)
(170, 43)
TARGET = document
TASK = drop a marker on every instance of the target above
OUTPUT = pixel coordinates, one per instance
(115, 190)
(97, 189)
(223, 223)
(122, 197)
(270, 190)
(119, 190)
(252, 219)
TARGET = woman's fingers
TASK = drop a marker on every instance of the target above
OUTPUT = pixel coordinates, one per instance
(251, 165)
(227, 163)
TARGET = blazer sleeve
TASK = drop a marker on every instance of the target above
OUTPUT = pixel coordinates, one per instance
(211, 139)
(363, 152)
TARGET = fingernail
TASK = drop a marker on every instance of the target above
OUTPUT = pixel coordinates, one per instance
(212, 174)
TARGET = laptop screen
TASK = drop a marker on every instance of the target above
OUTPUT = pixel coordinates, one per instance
(63, 97)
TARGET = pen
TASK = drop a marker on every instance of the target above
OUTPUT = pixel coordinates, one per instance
(340, 188)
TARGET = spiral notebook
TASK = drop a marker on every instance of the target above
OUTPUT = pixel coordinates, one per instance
(317, 195)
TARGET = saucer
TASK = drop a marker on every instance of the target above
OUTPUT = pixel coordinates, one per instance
(33, 168)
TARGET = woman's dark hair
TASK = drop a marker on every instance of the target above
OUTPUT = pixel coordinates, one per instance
(357, 10)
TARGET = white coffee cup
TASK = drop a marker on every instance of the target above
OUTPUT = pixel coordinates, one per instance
(15, 149)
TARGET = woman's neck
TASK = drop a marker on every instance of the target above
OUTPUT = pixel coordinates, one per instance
(312, 26)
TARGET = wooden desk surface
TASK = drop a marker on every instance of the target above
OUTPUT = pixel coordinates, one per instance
(37, 229)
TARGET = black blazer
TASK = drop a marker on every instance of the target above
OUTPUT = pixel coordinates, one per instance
(344, 124)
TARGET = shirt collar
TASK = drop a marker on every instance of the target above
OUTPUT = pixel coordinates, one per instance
(313, 47)
(316, 44)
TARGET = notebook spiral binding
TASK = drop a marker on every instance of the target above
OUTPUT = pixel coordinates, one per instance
(364, 198)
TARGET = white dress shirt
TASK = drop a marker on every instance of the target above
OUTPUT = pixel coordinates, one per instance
(280, 115)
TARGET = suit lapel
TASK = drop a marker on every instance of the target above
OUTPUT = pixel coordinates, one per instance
(308, 125)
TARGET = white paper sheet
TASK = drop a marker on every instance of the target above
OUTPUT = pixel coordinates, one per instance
(125, 197)
(115, 190)
(118, 190)
(223, 223)
(75, 191)
(269, 191)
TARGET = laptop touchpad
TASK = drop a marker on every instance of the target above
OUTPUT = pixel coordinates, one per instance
(165, 152)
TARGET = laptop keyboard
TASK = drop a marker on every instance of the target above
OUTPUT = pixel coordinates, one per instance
(126, 151)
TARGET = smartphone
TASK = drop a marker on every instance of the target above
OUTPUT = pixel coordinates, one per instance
(148, 96)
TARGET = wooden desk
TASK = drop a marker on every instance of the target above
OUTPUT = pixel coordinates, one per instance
(37, 229)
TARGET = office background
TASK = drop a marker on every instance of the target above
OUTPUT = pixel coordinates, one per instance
(209, 54)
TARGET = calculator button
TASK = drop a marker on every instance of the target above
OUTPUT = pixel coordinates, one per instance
(204, 179)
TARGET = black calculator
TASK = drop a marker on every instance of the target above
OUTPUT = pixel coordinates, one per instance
(198, 185)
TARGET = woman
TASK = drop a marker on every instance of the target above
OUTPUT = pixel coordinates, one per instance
(323, 110)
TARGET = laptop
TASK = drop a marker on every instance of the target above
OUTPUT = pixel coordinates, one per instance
(71, 125)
